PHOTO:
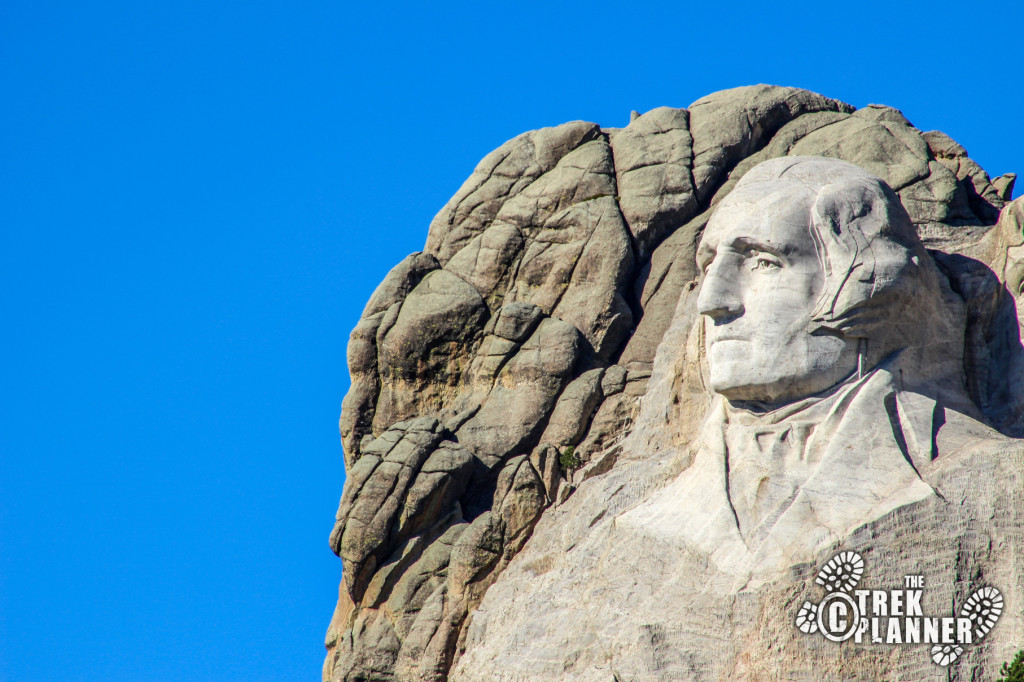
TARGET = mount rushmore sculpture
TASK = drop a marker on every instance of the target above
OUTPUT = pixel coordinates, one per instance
(643, 383)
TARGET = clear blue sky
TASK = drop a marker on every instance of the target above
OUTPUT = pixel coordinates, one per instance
(196, 200)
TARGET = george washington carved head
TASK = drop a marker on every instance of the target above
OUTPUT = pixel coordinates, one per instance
(812, 272)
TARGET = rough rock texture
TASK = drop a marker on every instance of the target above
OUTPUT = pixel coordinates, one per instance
(496, 442)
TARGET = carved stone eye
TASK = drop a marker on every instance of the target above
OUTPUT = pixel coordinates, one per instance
(765, 263)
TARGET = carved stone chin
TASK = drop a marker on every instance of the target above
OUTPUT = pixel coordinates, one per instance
(643, 382)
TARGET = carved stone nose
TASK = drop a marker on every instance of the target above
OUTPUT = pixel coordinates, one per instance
(718, 296)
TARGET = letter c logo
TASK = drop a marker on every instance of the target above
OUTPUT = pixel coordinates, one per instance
(838, 616)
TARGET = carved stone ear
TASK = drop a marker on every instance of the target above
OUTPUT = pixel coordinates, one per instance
(880, 282)
(848, 218)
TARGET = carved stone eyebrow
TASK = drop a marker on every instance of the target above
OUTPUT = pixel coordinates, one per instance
(751, 244)
(706, 254)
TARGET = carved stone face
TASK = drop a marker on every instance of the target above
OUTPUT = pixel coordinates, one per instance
(762, 280)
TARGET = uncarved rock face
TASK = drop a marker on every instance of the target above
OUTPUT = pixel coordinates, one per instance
(763, 278)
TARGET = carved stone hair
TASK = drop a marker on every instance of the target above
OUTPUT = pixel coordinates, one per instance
(880, 283)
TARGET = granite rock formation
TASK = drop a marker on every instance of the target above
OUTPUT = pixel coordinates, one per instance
(530, 389)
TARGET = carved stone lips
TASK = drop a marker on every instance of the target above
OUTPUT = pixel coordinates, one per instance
(715, 338)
